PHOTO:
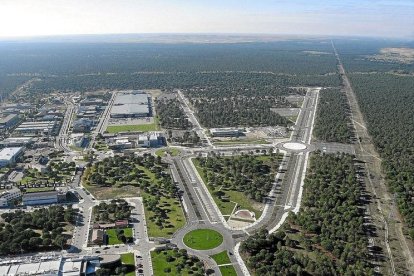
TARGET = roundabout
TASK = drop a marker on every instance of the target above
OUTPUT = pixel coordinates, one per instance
(294, 146)
(203, 239)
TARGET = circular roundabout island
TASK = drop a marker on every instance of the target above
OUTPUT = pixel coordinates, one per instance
(294, 146)
(203, 239)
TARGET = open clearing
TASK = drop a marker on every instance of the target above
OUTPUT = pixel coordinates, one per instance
(203, 239)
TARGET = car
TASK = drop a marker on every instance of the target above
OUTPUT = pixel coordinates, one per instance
(140, 270)
(106, 247)
(140, 266)
(97, 251)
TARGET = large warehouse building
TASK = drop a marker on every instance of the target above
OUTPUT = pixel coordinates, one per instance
(131, 104)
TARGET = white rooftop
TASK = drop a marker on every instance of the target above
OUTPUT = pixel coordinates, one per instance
(9, 153)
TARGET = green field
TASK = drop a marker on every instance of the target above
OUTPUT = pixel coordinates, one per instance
(127, 128)
(167, 262)
(203, 239)
(163, 152)
(228, 270)
(175, 217)
(113, 239)
(128, 259)
(221, 258)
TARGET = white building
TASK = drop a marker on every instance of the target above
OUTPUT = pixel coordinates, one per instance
(9, 155)
(150, 140)
(8, 196)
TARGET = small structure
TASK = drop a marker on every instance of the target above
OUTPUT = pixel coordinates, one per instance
(8, 196)
(79, 140)
(97, 236)
(8, 156)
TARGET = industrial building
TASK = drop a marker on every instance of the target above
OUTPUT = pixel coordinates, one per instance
(41, 198)
(36, 128)
(17, 142)
(8, 196)
(8, 156)
(9, 121)
(226, 132)
(131, 104)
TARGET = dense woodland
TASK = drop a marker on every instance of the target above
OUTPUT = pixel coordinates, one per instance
(171, 114)
(239, 111)
(249, 174)
(42, 229)
(89, 66)
(327, 237)
(387, 103)
(332, 119)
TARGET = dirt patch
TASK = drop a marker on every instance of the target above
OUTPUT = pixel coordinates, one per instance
(400, 55)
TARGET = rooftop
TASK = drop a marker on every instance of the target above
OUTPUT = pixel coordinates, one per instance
(9, 153)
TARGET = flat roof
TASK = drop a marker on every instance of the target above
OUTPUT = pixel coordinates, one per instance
(131, 102)
(6, 119)
(9, 153)
(130, 109)
(40, 194)
(128, 97)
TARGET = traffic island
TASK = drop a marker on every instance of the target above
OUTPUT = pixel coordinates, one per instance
(203, 239)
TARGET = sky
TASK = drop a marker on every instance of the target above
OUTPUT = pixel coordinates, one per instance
(376, 18)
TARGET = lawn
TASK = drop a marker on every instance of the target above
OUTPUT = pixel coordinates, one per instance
(113, 239)
(126, 128)
(163, 152)
(161, 266)
(128, 259)
(203, 239)
(221, 258)
(175, 217)
(227, 270)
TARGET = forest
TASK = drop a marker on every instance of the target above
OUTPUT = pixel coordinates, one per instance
(42, 229)
(327, 236)
(239, 111)
(94, 66)
(171, 114)
(387, 102)
(249, 174)
(332, 117)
